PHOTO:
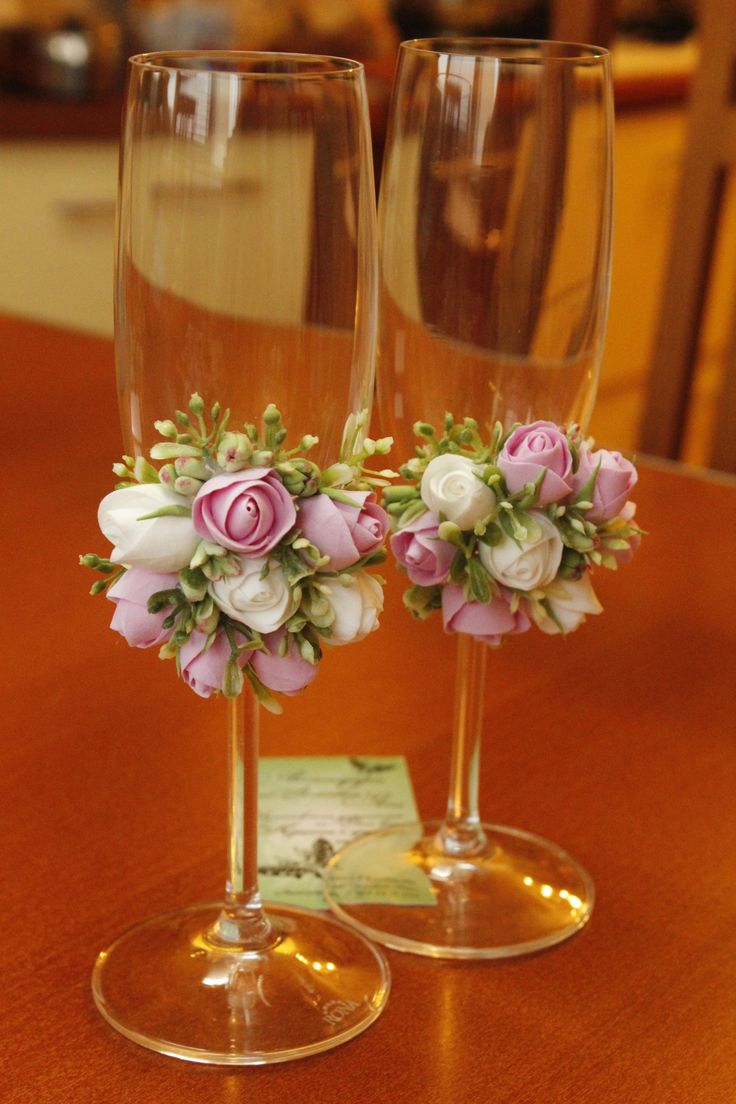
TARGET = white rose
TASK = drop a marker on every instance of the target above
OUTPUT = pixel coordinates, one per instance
(527, 564)
(356, 608)
(262, 604)
(571, 600)
(451, 487)
(161, 544)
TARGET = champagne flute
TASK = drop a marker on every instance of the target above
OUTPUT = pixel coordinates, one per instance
(494, 227)
(246, 271)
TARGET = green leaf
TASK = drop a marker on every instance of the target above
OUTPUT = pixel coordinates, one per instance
(167, 511)
(479, 582)
(232, 681)
(260, 692)
(169, 451)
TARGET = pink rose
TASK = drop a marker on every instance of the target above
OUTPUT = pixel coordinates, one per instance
(246, 511)
(285, 674)
(534, 448)
(614, 482)
(204, 671)
(344, 533)
(131, 617)
(486, 621)
(422, 552)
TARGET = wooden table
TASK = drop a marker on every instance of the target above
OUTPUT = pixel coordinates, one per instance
(618, 743)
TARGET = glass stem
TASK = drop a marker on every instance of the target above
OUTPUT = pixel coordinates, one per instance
(462, 832)
(242, 920)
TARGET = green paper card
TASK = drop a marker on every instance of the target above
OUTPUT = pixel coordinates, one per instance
(309, 807)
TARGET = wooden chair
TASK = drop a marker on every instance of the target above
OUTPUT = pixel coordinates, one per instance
(710, 153)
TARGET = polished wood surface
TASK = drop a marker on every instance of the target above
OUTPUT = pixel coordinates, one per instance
(617, 743)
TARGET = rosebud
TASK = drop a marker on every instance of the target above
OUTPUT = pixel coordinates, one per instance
(234, 451)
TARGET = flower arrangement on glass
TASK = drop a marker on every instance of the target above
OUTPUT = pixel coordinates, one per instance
(504, 535)
(246, 272)
(494, 229)
(238, 557)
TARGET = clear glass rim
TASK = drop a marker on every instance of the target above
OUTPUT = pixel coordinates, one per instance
(294, 66)
(512, 51)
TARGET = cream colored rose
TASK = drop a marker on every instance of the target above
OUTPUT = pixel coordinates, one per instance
(263, 604)
(528, 564)
(451, 487)
(356, 608)
(570, 600)
(160, 544)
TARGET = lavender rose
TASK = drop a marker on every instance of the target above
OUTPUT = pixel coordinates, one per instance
(525, 565)
(344, 533)
(246, 511)
(486, 621)
(535, 448)
(131, 618)
(285, 674)
(204, 671)
(422, 552)
(613, 484)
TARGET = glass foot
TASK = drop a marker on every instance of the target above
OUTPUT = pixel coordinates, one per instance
(520, 894)
(166, 985)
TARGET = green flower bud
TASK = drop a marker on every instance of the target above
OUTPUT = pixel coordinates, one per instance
(189, 465)
(263, 458)
(271, 415)
(167, 475)
(196, 404)
(193, 583)
(207, 622)
(234, 451)
(185, 485)
(450, 532)
(166, 428)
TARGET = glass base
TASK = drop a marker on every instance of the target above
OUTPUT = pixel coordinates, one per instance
(520, 894)
(166, 985)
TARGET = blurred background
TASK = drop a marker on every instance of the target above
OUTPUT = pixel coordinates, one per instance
(61, 74)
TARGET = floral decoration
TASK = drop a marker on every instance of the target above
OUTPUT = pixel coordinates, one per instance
(239, 558)
(506, 534)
